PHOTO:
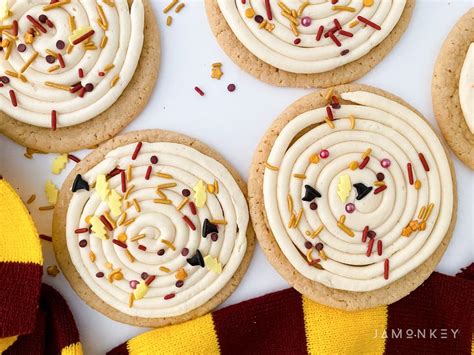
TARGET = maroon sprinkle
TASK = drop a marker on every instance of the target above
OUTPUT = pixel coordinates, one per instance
(186, 193)
(61, 61)
(137, 150)
(337, 24)
(106, 223)
(231, 87)
(365, 233)
(258, 19)
(308, 245)
(60, 45)
(313, 206)
(364, 163)
(380, 176)
(199, 91)
(13, 98)
(379, 247)
(320, 33)
(80, 73)
(189, 223)
(144, 275)
(344, 52)
(81, 230)
(297, 41)
(49, 23)
(43, 18)
(161, 252)
(423, 161)
(123, 181)
(154, 159)
(192, 206)
(150, 280)
(369, 23)
(46, 237)
(380, 189)
(314, 262)
(83, 243)
(185, 252)
(345, 33)
(148, 173)
(99, 274)
(82, 92)
(89, 87)
(319, 246)
(21, 47)
(114, 172)
(142, 247)
(410, 174)
(329, 112)
(386, 269)
(179, 283)
(73, 158)
(169, 296)
(75, 88)
(54, 120)
(334, 39)
(268, 9)
(369, 247)
(5, 79)
(214, 237)
(36, 24)
(15, 28)
(119, 243)
(50, 59)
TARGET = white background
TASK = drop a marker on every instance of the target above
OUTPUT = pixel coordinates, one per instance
(233, 123)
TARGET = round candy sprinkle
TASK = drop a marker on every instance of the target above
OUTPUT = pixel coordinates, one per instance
(43, 18)
(161, 252)
(185, 252)
(297, 41)
(99, 274)
(144, 275)
(306, 21)
(350, 207)
(214, 237)
(380, 176)
(21, 47)
(89, 87)
(179, 283)
(385, 163)
(313, 206)
(344, 52)
(319, 246)
(4, 79)
(83, 243)
(231, 87)
(186, 193)
(154, 159)
(50, 59)
(133, 284)
(371, 234)
(308, 245)
(324, 153)
(60, 45)
(259, 19)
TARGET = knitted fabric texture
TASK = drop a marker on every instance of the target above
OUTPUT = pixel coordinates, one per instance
(436, 318)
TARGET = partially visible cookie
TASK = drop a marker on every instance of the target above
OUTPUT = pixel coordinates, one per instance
(84, 77)
(452, 117)
(352, 197)
(153, 228)
(308, 45)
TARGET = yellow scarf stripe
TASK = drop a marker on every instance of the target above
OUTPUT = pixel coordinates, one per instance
(332, 331)
(19, 240)
(194, 337)
(73, 349)
(5, 343)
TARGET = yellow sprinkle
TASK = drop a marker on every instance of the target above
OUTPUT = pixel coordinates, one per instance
(128, 221)
(169, 244)
(262, 24)
(299, 176)
(249, 13)
(53, 68)
(137, 237)
(368, 3)
(11, 73)
(28, 62)
(294, 29)
(329, 94)
(308, 255)
(290, 203)
(57, 86)
(170, 6)
(183, 203)
(353, 24)
(179, 8)
(345, 229)
(169, 21)
(129, 190)
(111, 3)
(428, 211)
(293, 13)
(103, 42)
(91, 256)
(129, 255)
(417, 184)
(164, 176)
(322, 254)
(314, 158)
(284, 7)
(218, 221)
(110, 219)
(292, 220)
(103, 18)
(161, 194)
(317, 231)
(290, 17)
(216, 187)
(302, 7)
(162, 201)
(109, 67)
(329, 122)
(128, 173)
(131, 298)
(379, 183)
(422, 212)
(271, 167)
(114, 80)
(298, 217)
(46, 208)
(164, 269)
(353, 122)
(122, 218)
(353, 165)
(136, 205)
(344, 8)
(72, 23)
(122, 237)
(342, 219)
(167, 186)
(366, 153)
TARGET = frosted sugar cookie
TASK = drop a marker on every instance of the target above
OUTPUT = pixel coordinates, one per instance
(352, 197)
(153, 228)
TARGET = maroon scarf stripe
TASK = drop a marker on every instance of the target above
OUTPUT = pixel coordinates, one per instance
(425, 320)
(254, 327)
(18, 297)
(32, 343)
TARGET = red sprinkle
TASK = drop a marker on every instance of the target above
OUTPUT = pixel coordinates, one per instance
(364, 163)
(364, 234)
(297, 41)
(314, 262)
(379, 247)
(334, 39)
(61, 61)
(345, 33)
(101, 73)
(13, 98)
(75, 88)
(137, 150)
(82, 92)
(46, 237)
(320, 33)
(334, 2)
(192, 206)
(380, 189)
(329, 112)
(83, 37)
(335, 100)
(369, 247)
(369, 23)
(150, 280)
(148, 173)
(410, 173)
(189, 223)
(124, 181)
(35, 23)
(54, 120)
(269, 9)
(199, 91)
(49, 23)
(386, 267)
(142, 247)
(119, 243)
(423, 161)
(338, 25)
(15, 28)
(169, 296)
(73, 158)
(114, 172)
(81, 73)
(106, 223)
(81, 230)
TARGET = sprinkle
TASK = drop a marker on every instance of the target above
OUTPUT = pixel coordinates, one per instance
(170, 6)
(268, 9)
(35, 23)
(329, 113)
(317, 231)
(148, 173)
(379, 247)
(164, 269)
(103, 42)
(353, 165)
(164, 176)
(183, 202)
(344, 8)
(57, 86)
(290, 203)
(345, 229)
(347, 34)
(380, 189)
(428, 212)
(192, 206)
(46, 237)
(28, 62)
(103, 19)
(119, 243)
(320, 33)
(365, 233)
(169, 244)
(129, 255)
(115, 80)
(334, 39)
(54, 5)
(366, 153)
(169, 296)
(31, 199)
(166, 186)
(199, 91)
(137, 237)
(83, 37)
(179, 8)
(423, 161)
(329, 122)
(13, 98)
(189, 223)
(162, 201)
(106, 223)
(369, 23)
(410, 173)
(46, 208)
(150, 279)
(142, 247)
(54, 120)
(386, 267)
(131, 298)
(271, 167)
(136, 205)
(364, 162)
(370, 247)
(299, 176)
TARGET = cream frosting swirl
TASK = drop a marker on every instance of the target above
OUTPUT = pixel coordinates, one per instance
(76, 81)
(361, 201)
(466, 88)
(312, 36)
(142, 255)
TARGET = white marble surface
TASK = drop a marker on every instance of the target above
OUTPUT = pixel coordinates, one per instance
(233, 123)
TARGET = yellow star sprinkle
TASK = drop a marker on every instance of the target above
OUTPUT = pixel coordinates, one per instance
(141, 290)
(212, 264)
(59, 163)
(98, 228)
(344, 187)
(102, 187)
(4, 10)
(200, 194)
(51, 192)
(115, 203)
